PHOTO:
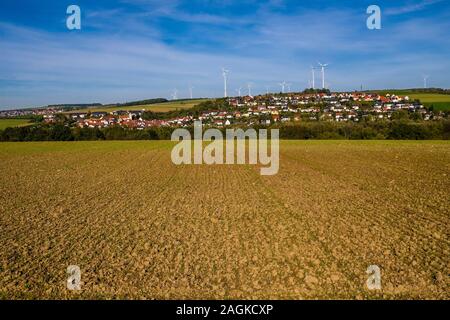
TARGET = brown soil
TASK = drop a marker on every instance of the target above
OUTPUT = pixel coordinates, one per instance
(140, 227)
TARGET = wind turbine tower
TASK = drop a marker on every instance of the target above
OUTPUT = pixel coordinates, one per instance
(425, 79)
(313, 77)
(225, 78)
(323, 66)
(190, 91)
(249, 86)
(283, 85)
(175, 94)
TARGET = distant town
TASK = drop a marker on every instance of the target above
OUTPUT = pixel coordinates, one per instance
(266, 109)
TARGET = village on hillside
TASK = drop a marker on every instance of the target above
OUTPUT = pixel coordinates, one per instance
(258, 110)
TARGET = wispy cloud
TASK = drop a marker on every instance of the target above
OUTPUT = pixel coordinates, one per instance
(412, 7)
(128, 53)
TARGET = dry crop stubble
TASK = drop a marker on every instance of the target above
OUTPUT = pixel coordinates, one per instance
(140, 227)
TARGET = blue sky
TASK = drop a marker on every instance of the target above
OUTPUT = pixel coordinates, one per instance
(136, 49)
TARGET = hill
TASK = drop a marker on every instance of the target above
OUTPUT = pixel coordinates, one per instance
(439, 99)
(155, 107)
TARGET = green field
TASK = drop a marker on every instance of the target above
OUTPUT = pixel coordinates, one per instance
(10, 123)
(430, 97)
(157, 107)
(140, 227)
(439, 101)
(438, 106)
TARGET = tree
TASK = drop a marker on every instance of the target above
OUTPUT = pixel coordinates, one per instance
(400, 114)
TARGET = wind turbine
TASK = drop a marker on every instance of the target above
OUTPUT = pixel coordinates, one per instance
(175, 94)
(313, 77)
(239, 91)
(323, 66)
(425, 79)
(225, 76)
(249, 87)
(190, 91)
(282, 84)
(289, 86)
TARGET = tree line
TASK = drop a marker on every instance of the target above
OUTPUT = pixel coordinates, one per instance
(398, 129)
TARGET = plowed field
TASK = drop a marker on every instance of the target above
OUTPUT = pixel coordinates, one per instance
(140, 227)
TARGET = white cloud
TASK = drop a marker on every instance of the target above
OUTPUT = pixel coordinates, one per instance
(411, 7)
(131, 60)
